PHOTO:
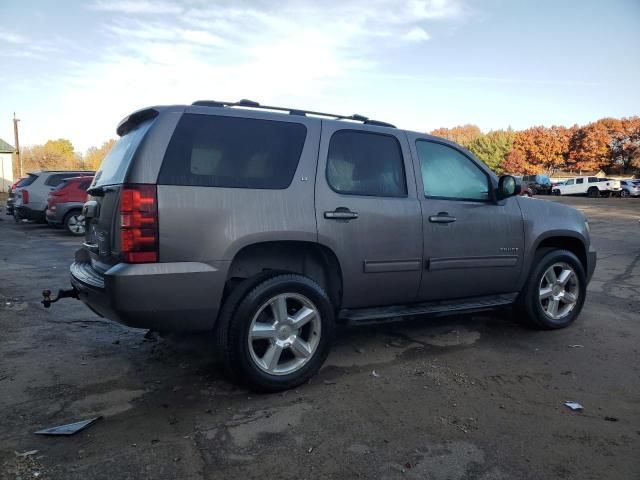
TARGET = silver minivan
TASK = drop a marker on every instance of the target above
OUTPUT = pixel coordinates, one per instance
(269, 225)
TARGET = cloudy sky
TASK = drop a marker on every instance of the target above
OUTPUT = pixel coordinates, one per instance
(73, 69)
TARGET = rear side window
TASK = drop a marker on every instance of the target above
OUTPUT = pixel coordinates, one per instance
(594, 180)
(218, 151)
(362, 163)
(579, 180)
(57, 179)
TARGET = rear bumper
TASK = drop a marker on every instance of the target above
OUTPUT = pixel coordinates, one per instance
(30, 214)
(166, 297)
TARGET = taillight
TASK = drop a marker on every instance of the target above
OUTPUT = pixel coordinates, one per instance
(25, 197)
(139, 224)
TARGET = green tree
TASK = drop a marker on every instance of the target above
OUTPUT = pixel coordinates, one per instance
(493, 148)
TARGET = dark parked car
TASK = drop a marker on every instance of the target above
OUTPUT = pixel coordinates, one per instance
(269, 227)
(64, 204)
(539, 184)
(11, 200)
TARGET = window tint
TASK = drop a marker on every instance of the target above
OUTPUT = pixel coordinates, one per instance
(447, 173)
(593, 180)
(216, 151)
(25, 182)
(114, 166)
(569, 182)
(579, 181)
(57, 179)
(362, 163)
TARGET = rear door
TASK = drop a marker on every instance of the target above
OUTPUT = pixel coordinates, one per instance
(101, 208)
(473, 245)
(368, 214)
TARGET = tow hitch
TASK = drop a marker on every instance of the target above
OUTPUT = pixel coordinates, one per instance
(46, 296)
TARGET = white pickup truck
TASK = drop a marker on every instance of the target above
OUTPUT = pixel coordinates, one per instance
(591, 186)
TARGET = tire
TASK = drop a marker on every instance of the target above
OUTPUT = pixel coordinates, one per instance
(538, 295)
(556, 192)
(593, 192)
(74, 223)
(275, 359)
(625, 193)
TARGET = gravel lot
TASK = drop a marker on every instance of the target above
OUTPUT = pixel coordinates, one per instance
(464, 397)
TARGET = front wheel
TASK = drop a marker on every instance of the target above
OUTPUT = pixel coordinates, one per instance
(593, 192)
(554, 294)
(556, 192)
(277, 334)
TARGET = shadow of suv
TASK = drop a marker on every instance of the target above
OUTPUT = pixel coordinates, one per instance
(268, 225)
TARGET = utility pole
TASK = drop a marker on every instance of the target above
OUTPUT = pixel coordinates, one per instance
(15, 134)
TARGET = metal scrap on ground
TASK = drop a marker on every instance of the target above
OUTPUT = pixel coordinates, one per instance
(68, 429)
(574, 405)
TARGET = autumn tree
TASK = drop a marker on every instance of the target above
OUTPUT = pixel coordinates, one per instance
(625, 143)
(53, 155)
(516, 163)
(465, 135)
(546, 148)
(493, 148)
(94, 155)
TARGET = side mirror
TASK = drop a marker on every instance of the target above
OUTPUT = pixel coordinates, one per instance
(507, 187)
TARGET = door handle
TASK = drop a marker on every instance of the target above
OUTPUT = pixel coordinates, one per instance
(442, 217)
(341, 213)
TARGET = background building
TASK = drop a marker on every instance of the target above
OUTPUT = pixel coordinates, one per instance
(6, 165)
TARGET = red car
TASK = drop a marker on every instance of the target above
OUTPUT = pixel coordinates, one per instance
(64, 204)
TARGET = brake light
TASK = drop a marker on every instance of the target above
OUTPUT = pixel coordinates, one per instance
(25, 197)
(139, 224)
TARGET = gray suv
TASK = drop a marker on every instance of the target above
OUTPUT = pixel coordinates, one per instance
(269, 225)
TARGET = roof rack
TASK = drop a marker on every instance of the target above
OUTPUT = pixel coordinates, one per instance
(292, 111)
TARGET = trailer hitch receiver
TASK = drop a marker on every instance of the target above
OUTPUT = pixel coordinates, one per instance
(46, 296)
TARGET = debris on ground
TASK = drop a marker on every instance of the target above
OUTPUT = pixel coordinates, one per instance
(574, 406)
(611, 419)
(310, 450)
(329, 382)
(375, 374)
(576, 346)
(26, 454)
(68, 429)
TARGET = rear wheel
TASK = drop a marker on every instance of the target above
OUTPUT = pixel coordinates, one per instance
(275, 333)
(74, 223)
(554, 294)
(593, 192)
(625, 193)
(556, 192)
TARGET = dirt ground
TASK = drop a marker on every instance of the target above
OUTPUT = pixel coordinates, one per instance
(464, 397)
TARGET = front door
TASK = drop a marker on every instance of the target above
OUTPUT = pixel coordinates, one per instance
(368, 213)
(473, 245)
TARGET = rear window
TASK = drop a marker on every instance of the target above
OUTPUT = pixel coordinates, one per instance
(115, 165)
(25, 182)
(61, 185)
(217, 151)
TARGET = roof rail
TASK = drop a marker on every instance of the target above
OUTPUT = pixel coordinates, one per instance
(292, 111)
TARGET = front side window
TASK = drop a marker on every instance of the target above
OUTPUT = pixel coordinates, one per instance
(232, 152)
(569, 182)
(447, 173)
(362, 163)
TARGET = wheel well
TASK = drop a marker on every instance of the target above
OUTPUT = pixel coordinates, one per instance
(574, 245)
(70, 212)
(306, 258)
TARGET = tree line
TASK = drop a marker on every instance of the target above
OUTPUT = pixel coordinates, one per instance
(609, 144)
(60, 155)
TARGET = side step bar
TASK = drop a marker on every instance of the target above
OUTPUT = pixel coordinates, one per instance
(381, 314)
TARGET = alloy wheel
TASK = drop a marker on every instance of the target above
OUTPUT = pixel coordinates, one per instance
(75, 224)
(559, 290)
(284, 334)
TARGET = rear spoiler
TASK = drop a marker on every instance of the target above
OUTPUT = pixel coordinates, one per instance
(136, 118)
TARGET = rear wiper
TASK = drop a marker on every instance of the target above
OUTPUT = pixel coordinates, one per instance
(98, 191)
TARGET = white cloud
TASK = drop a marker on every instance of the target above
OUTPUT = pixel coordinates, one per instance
(416, 35)
(11, 37)
(136, 6)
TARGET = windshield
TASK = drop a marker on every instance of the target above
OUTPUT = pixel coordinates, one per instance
(544, 180)
(115, 165)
